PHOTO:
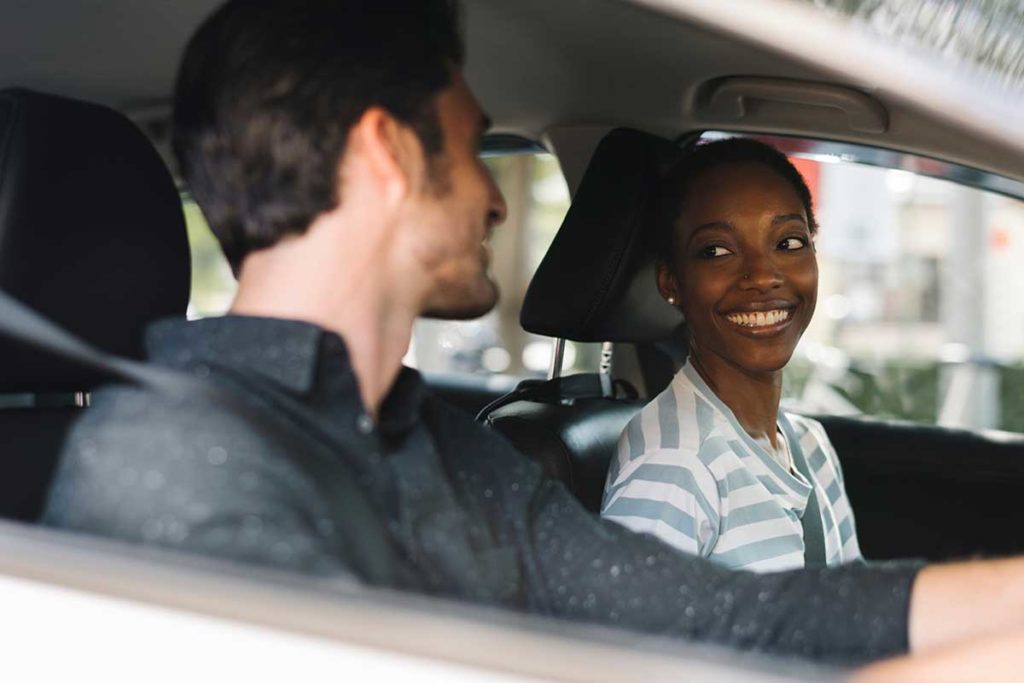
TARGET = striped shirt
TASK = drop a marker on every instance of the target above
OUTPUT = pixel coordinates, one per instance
(687, 472)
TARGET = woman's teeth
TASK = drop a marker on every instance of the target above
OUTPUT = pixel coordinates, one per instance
(759, 319)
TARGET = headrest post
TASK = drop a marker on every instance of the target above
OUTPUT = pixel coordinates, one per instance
(605, 369)
(557, 357)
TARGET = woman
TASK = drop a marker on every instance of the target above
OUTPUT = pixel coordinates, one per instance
(711, 466)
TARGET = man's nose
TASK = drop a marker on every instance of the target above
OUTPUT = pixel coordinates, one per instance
(498, 211)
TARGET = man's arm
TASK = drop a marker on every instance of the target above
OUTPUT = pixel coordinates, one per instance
(988, 659)
(963, 600)
(597, 571)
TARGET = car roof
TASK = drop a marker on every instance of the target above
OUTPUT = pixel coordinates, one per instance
(541, 66)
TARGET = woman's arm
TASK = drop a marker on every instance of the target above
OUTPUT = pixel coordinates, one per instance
(670, 495)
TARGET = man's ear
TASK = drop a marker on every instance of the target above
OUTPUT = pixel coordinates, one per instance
(388, 150)
(667, 284)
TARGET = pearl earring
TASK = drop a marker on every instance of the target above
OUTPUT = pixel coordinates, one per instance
(671, 300)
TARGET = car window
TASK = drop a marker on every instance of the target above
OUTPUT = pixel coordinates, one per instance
(494, 345)
(919, 313)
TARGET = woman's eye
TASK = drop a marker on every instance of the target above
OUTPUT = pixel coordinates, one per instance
(792, 243)
(713, 251)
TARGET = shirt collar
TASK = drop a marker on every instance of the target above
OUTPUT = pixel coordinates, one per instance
(303, 359)
(284, 351)
(798, 487)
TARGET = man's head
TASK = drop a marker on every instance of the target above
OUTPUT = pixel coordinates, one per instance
(266, 102)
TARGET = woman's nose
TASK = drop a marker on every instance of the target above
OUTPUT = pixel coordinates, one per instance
(760, 273)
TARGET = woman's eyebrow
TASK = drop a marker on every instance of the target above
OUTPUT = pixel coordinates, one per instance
(713, 225)
(785, 218)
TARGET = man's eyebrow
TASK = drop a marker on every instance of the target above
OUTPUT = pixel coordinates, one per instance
(785, 218)
(485, 123)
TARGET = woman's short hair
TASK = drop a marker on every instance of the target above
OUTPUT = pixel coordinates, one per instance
(703, 156)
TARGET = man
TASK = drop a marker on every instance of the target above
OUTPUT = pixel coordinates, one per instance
(333, 147)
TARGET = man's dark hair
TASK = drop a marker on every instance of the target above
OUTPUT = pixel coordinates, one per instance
(707, 155)
(269, 89)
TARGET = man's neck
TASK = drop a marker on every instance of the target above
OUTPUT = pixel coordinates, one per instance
(345, 291)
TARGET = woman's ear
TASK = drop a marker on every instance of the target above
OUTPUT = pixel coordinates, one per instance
(667, 284)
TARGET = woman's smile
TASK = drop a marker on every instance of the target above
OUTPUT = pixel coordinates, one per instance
(763, 316)
(762, 323)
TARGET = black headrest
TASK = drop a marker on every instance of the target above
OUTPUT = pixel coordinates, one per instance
(92, 233)
(596, 282)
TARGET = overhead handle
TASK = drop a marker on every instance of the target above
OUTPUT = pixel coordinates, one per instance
(736, 97)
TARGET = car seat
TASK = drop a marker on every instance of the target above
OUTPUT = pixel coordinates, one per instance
(92, 235)
(595, 284)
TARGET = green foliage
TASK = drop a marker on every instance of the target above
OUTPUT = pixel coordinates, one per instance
(909, 390)
(213, 285)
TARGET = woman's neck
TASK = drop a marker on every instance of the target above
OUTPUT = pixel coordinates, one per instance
(752, 397)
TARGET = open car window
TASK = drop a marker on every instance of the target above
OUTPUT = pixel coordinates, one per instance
(493, 349)
(919, 313)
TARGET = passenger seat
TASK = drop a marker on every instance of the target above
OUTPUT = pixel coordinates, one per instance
(595, 284)
(92, 235)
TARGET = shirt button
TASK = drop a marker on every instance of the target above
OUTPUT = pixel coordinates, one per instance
(364, 423)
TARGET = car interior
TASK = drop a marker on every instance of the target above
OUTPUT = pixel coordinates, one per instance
(78, 259)
(614, 89)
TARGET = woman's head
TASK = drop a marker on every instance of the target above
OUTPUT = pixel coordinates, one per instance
(737, 255)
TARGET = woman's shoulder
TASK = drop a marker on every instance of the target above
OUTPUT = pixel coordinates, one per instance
(812, 436)
(677, 418)
(804, 425)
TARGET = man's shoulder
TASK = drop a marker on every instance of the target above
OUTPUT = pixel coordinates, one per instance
(127, 413)
(137, 454)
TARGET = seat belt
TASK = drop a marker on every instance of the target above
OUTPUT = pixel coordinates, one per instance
(367, 544)
(814, 533)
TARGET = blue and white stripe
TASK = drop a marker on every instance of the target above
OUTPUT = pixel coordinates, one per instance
(687, 472)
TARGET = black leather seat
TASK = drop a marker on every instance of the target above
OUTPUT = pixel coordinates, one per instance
(92, 235)
(595, 284)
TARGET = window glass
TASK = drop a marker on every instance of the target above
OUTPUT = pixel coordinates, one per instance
(920, 312)
(213, 286)
(537, 199)
(495, 344)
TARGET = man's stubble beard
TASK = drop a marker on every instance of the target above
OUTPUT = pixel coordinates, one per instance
(456, 301)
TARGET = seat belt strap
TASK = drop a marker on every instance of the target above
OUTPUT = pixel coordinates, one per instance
(814, 533)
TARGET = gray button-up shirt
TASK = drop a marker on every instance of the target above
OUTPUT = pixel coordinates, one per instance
(468, 516)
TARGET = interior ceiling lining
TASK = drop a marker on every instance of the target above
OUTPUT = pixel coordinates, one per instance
(536, 64)
(619, 64)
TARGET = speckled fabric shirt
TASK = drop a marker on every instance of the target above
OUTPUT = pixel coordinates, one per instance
(471, 517)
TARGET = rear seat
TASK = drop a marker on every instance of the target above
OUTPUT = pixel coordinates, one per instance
(92, 236)
(595, 284)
